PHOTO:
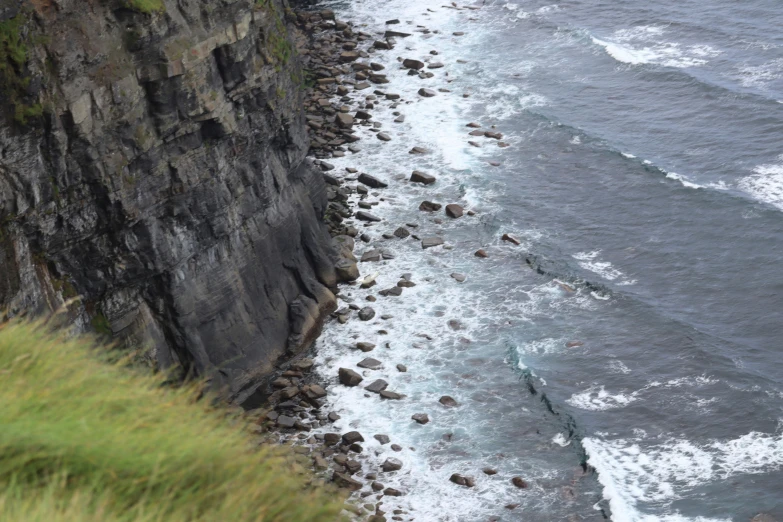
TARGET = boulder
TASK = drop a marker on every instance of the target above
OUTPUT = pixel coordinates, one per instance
(454, 211)
(448, 401)
(460, 278)
(429, 242)
(426, 93)
(418, 176)
(345, 481)
(391, 464)
(421, 418)
(461, 480)
(352, 437)
(394, 291)
(369, 363)
(481, 253)
(383, 136)
(519, 482)
(402, 233)
(402, 368)
(391, 492)
(346, 270)
(490, 471)
(390, 395)
(349, 377)
(344, 121)
(284, 421)
(377, 386)
(330, 439)
(371, 181)
(365, 347)
(511, 239)
(410, 63)
(366, 313)
(349, 56)
(363, 115)
(383, 439)
(366, 216)
(429, 206)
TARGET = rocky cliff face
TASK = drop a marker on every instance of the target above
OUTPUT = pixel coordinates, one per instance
(165, 181)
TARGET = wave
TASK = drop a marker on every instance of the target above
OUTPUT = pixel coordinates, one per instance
(632, 472)
(643, 45)
(766, 183)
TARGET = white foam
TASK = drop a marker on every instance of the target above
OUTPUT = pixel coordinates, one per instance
(682, 179)
(644, 45)
(626, 155)
(605, 269)
(576, 140)
(561, 440)
(766, 183)
(634, 471)
(597, 398)
(760, 76)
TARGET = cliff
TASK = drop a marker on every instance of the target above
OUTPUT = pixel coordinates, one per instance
(152, 161)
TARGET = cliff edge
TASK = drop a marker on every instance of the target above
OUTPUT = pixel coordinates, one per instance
(152, 161)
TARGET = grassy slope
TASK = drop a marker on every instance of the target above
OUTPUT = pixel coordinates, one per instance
(85, 440)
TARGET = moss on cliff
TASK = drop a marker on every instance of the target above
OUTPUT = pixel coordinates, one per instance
(84, 439)
(14, 79)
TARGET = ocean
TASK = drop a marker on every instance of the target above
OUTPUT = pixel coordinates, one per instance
(625, 359)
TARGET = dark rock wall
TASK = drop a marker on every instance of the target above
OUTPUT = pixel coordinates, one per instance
(166, 184)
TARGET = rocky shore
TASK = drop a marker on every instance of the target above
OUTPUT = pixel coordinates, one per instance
(345, 86)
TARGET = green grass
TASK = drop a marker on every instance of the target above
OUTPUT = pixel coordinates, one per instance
(146, 6)
(83, 439)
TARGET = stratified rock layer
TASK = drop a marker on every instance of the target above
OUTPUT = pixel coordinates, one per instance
(166, 184)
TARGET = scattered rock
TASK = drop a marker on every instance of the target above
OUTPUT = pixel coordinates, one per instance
(402, 233)
(349, 377)
(366, 313)
(369, 363)
(383, 439)
(421, 418)
(418, 176)
(574, 344)
(426, 93)
(396, 447)
(371, 181)
(391, 464)
(352, 437)
(481, 253)
(346, 270)
(490, 471)
(454, 211)
(460, 278)
(365, 347)
(345, 481)
(402, 368)
(519, 482)
(391, 492)
(448, 401)
(429, 206)
(511, 239)
(409, 63)
(429, 242)
(377, 386)
(386, 394)
(383, 136)
(461, 480)
(285, 421)
(366, 216)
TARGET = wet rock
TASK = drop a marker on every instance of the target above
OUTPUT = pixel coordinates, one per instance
(390, 395)
(344, 121)
(406, 284)
(448, 401)
(366, 216)
(344, 481)
(512, 507)
(511, 239)
(454, 211)
(382, 44)
(391, 492)
(302, 365)
(473, 125)
(421, 418)
(363, 115)
(426, 93)
(481, 253)
(494, 135)
(377, 486)
(352, 437)
(346, 270)
(366, 313)
(349, 377)
(490, 471)
(383, 439)
(383, 136)
(333, 416)
(377, 386)
(365, 347)
(349, 56)
(422, 177)
(519, 482)
(371, 181)
(315, 391)
(402, 368)
(369, 363)
(376, 66)
(429, 206)
(394, 291)
(460, 278)
(353, 466)
(330, 439)
(396, 447)
(461, 480)
(418, 150)
(399, 119)
(429, 242)
(320, 463)
(410, 63)
(284, 421)
(391, 464)
(402, 233)
(369, 256)
(574, 344)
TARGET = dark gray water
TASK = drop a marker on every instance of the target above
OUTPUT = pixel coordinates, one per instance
(645, 178)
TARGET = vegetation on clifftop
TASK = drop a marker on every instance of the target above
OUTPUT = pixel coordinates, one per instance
(85, 439)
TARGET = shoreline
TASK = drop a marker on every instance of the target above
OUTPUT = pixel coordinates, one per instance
(296, 413)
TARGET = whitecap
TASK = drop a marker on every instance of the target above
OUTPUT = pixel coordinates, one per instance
(561, 440)
(597, 398)
(766, 183)
(644, 45)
